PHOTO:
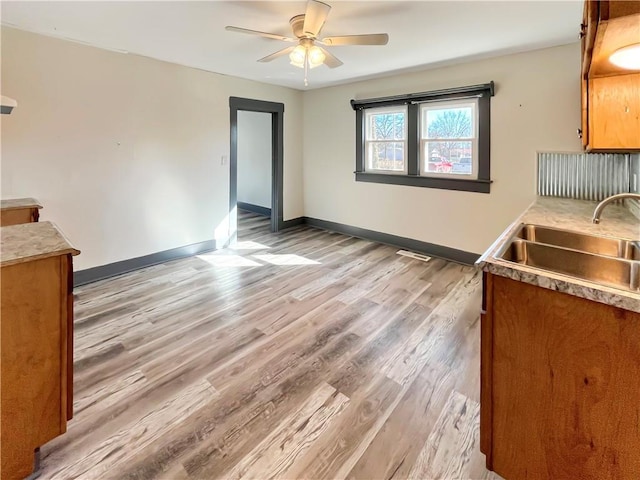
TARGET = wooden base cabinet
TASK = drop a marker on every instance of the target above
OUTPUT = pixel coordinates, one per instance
(560, 389)
(36, 359)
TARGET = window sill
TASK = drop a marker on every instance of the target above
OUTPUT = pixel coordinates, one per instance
(478, 186)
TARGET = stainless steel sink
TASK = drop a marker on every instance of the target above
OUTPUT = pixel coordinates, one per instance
(605, 270)
(612, 247)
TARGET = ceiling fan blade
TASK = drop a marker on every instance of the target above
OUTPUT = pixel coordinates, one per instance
(368, 39)
(330, 60)
(315, 17)
(278, 54)
(274, 36)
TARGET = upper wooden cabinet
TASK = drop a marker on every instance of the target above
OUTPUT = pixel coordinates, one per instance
(610, 94)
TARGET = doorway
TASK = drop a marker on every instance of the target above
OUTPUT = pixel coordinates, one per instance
(276, 111)
(254, 162)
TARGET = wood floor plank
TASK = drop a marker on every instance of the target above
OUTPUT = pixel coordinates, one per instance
(395, 448)
(410, 360)
(386, 342)
(110, 394)
(452, 443)
(281, 353)
(216, 438)
(292, 438)
(225, 447)
(176, 472)
(146, 429)
(335, 452)
(298, 354)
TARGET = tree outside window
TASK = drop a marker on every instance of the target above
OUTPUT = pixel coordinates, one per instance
(448, 138)
(386, 140)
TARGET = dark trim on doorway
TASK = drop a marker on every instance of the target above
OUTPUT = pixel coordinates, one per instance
(277, 155)
(90, 275)
(431, 249)
(257, 209)
(252, 105)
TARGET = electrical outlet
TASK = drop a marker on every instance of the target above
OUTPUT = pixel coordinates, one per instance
(223, 160)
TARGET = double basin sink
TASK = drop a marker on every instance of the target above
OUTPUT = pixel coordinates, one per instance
(607, 261)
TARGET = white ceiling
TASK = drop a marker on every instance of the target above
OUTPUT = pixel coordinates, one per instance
(421, 34)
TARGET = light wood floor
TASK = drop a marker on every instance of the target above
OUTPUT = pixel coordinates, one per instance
(304, 354)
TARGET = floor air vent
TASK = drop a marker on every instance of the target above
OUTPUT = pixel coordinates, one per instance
(417, 256)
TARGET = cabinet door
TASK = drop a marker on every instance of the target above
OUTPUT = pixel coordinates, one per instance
(614, 112)
(565, 382)
(31, 413)
(587, 37)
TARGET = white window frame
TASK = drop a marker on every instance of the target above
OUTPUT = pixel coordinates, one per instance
(367, 141)
(441, 105)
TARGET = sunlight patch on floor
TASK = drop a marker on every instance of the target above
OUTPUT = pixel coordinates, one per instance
(248, 246)
(285, 259)
(229, 261)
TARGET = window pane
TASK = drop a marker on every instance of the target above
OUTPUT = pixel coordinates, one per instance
(448, 157)
(385, 125)
(455, 122)
(386, 156)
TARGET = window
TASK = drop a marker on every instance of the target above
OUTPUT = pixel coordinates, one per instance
(386, 140)
(437, 139)
(449, 139)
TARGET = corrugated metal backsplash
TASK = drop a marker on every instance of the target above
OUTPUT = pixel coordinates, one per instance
(585, 176)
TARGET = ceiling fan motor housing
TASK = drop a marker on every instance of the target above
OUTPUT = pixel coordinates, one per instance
(297, 25)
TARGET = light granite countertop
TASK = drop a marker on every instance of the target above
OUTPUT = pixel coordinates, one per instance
(32, 241)
(16, 203)
(575, 215)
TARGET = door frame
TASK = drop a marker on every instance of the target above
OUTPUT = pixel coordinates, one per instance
(277, 153)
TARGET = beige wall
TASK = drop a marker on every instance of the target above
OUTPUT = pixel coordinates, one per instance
(536, 108)
(124, 152)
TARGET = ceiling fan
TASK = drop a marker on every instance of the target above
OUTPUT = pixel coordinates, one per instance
(306, 29)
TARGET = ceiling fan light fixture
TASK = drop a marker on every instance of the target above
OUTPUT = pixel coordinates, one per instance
(316, 56)
(298, 56)
(306, 27)
(627, 57)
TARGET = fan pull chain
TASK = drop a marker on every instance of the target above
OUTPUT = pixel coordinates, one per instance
(306, 67)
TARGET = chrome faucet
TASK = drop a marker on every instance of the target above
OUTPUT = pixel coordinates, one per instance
(598, 211)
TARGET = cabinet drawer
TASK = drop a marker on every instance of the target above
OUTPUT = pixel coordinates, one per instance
(18, 215)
